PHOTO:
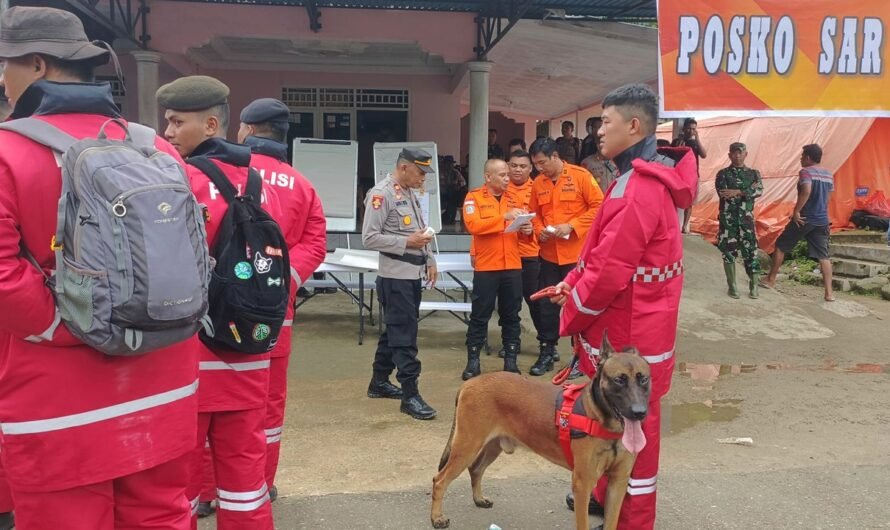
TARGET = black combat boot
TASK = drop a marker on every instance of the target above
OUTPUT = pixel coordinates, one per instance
(380, 387)
(594, 508)
(511, 351)
(414, 405)
(545, 360)
(473, 368)
(6, 521)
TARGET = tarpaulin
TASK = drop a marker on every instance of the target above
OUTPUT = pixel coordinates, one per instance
(856, 150)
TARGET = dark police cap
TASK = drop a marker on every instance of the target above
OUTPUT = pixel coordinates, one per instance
(192, 93)
(738, 146)
(47, 31)
(265, 110)
(419, 158)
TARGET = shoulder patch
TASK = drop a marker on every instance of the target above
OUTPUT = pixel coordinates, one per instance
(377, 201)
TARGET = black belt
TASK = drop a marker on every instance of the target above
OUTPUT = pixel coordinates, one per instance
(413, 259)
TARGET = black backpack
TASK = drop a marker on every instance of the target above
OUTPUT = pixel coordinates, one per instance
(250, 284)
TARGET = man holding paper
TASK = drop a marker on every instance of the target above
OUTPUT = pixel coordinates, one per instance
(489, 212)
(566, 199)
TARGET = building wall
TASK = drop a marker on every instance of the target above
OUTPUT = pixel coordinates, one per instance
(177, 26)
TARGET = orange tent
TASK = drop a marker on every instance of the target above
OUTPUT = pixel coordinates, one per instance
(856, 150)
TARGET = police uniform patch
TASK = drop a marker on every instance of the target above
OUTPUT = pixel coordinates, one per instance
(406, 220)
(377, 201)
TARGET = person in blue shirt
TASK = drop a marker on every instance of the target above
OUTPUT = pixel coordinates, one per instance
(810, 218)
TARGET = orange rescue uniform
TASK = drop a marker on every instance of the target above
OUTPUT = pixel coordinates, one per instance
(528, 245)
(483, 216)
(574, 198)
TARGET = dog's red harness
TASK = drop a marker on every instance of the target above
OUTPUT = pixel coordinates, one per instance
(567, 420)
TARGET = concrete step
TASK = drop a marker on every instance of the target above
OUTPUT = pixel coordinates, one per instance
(876, 252)
(858, 268)
(859, 285)
(853, 237)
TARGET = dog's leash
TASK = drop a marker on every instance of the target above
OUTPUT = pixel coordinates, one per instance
(563, 375)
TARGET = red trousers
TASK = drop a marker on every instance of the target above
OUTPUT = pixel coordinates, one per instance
(638, 509)
(5, 492)
(151, 499)
(239, 453)
(275, 406)
(208, 487)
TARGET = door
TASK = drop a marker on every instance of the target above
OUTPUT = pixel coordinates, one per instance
(302, 125)
(337, 125)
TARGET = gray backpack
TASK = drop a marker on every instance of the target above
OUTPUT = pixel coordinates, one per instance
(132, 266)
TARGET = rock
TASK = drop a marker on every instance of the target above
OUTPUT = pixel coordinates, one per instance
(870, 285)
(885, 292)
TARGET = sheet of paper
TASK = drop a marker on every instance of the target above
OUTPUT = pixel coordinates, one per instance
(519, 221)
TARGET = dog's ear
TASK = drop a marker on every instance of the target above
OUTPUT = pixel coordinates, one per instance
(606, 349)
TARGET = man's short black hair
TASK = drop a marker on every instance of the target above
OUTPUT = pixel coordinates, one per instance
(635, 101)
(543, 145)
(271, 130)
(689, 121)
(569, 123)
(813, 152)
(593, 119)
(517, 141)
(83, 71)
(520, 154)
(492, 130)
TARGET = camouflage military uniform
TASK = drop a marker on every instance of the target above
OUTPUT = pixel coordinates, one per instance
(736, 217)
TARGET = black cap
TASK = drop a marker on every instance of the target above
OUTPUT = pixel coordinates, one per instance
(419, 158)
(192, 93)
(737, 146)
(265, 110)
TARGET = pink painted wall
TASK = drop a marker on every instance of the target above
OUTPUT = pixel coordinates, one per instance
(433, 113)
(177, 26)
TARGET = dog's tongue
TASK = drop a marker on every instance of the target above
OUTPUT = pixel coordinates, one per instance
(633, 439)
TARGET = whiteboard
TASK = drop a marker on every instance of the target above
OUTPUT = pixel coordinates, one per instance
(385, 156)
(332, 168)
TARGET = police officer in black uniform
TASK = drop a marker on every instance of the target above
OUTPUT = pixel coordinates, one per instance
(394, 226)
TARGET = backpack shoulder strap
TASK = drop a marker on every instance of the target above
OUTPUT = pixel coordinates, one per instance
(254, 186)
(141, 135)
(216, 176)
(41, 132)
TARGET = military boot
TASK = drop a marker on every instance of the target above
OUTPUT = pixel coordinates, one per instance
(545, 360)
(473, 368)
(380, 387)
(511, 351)
(414, 405)
(729, 269)
(753, 282)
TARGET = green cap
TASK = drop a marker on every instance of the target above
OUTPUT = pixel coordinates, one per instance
(192, 93)
(737, 146)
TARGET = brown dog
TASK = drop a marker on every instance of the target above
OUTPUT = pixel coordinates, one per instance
(499, 411)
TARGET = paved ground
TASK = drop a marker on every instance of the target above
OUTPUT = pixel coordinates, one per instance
(808, 381)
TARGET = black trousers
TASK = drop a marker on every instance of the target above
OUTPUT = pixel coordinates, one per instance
(506, 287)
(531, 269)
(397, 346)
(551, 274)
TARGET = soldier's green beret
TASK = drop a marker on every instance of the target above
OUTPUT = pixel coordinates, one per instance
(192, 93)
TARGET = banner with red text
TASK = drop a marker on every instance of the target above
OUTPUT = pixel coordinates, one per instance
(774, 57)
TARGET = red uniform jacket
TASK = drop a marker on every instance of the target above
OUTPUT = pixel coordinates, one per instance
(302, 220)
(229, 380)
(630, 273)
(69, 414)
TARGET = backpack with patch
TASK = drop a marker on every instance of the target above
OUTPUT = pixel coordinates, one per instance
(250, 285)
(132, 264)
